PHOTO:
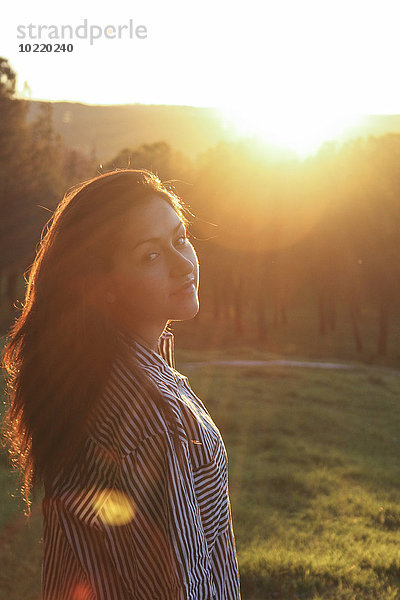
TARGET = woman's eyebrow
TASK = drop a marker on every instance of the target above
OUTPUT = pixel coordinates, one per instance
(155, 239)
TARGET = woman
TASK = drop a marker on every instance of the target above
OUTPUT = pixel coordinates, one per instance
(136, 500)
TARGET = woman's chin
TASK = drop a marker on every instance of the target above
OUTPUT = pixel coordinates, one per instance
(185, 311)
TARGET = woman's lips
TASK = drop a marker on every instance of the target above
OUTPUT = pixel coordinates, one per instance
(189, 288)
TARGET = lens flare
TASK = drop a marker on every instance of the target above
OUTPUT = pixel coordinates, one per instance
(113, 507)
(81, 591)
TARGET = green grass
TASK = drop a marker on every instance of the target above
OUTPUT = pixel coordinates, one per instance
(314, 472)
(314, 478)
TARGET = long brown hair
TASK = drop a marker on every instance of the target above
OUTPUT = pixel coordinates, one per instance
(60, 349)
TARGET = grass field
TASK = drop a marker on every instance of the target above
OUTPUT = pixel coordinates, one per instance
(314, 477)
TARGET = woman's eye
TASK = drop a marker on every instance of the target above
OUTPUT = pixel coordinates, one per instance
(148, 258)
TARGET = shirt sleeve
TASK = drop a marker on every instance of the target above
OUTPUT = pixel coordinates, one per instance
(141, 537)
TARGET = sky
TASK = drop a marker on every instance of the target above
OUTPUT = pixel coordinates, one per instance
(316, 60)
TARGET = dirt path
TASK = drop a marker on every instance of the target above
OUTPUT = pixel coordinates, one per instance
(292, 363)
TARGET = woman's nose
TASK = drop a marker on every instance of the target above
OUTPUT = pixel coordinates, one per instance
(181, 264)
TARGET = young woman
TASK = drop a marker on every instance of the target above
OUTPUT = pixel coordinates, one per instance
(136, 502)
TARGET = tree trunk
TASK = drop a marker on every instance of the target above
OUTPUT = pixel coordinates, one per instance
(237, 306)
(261, 320)
(332, 315)
(355, 327)
(383, 330)
(275, 320)
(283, 313)
(226, 297)
(216, 302)
(322, 315)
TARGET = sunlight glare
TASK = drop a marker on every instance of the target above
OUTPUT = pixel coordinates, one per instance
(302, 132)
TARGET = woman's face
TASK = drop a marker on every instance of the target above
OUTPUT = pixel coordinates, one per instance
(154, 259)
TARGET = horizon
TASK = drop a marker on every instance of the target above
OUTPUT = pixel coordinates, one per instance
(292, 135)
(293, 75)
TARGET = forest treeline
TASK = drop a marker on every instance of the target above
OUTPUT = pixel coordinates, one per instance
(107, 129)
(272, 233)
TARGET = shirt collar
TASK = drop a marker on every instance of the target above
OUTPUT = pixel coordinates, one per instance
(166, 348)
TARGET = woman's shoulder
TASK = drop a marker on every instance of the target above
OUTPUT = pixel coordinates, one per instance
(127, 411)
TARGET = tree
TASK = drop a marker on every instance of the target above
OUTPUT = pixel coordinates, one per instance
(158, 157)
(30, 178)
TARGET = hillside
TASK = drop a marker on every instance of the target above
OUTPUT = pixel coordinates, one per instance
(105, 130)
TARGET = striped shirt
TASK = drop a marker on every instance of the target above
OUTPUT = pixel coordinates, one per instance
(142, 524)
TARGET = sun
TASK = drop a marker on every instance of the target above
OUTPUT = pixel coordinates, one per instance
(301, 132)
